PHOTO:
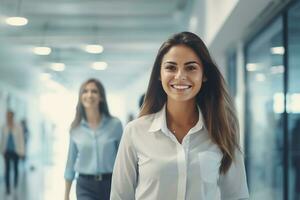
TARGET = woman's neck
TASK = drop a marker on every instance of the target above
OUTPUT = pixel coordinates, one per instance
(181, 117)
(182, 113)
(93, 117)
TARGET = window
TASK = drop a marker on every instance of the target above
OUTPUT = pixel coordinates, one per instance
(231, 74)
(293, 100)
(264, 108)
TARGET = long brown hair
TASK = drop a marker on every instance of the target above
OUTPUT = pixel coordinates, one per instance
(80, 112)
(213, 99)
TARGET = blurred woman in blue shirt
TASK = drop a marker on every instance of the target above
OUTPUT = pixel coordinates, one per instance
(94, 141)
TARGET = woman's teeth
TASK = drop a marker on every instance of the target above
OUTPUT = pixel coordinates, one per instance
(181, 87)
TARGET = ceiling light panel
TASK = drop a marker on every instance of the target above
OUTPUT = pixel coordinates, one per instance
(16, 21)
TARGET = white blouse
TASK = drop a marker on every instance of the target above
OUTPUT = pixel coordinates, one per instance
(152, 165)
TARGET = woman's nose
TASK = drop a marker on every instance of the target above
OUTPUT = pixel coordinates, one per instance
(180, 75)
(89, 93)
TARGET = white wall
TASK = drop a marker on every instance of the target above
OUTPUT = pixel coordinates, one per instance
(208, 16)
(133, 93)
(217, 13)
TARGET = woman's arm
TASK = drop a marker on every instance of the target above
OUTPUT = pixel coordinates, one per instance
(118, 130)
(233, 184)
(69, 171)
(68, 185)
(124, 177)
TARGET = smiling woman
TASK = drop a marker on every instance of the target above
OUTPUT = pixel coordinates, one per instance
(181, 73)
(94, 140)
(185, 143)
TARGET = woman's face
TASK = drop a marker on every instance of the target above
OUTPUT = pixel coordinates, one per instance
(181, 73)
(90, 97)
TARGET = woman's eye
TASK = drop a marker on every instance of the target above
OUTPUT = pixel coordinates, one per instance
(190, 67)
(95, 91)
(170, 67)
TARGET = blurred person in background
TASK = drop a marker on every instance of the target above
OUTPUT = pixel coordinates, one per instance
(141, 100)
(185, 143)
(94, 141)
(12, 148)
(26, 136)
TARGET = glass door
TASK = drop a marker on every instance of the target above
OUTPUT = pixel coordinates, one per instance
(264, 113)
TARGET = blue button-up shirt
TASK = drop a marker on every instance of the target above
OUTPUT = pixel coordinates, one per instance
(93, 151)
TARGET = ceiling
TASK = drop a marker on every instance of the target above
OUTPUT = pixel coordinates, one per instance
(130, 31)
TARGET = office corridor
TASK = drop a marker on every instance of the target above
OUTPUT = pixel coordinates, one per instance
(48, 48)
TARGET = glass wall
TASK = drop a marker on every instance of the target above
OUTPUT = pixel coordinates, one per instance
(273, 73)
(264, 130)
(293, 101)
(231, 74)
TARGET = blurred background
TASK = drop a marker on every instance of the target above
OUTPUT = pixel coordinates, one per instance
(48, 48)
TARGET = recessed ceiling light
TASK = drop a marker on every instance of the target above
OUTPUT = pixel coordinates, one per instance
(252, 67)
(277, 50)
(99, 65)
(93, 48)
(58, 66)
(42, 50)
(16, 21)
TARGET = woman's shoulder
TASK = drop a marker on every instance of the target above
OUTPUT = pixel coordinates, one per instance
(74, 130)
(138, 128)
(141, 123)
(113, 119)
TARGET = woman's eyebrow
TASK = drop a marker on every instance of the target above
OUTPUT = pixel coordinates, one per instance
(170, 62)
(192, 62)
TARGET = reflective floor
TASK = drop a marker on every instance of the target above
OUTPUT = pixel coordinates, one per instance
(31, 184)
(37, 181)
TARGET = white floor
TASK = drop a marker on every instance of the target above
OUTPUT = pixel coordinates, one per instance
(37, 181)
(30, 185)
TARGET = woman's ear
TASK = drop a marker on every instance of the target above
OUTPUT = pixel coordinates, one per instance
(204, 78)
